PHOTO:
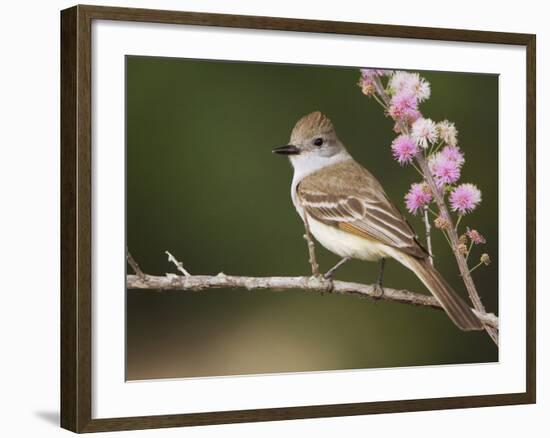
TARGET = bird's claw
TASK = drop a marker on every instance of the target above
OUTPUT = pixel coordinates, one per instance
(378, 291)
(324, 282)
(328, 283)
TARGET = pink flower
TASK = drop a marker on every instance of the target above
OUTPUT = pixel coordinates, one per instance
(475, 236)
(424, 132)
(422, 90)
(404, 149)
(402, 81)
(403, 106)
(453, 153)
(444, 169)
(447, 132)
(465, 198)
(419, 195)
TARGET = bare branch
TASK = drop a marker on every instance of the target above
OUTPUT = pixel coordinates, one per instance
(308, 284)
(178, 264)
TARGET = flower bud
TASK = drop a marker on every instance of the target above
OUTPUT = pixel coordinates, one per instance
(367, 87)
(475, 236)
(485, 259)
(442, 223)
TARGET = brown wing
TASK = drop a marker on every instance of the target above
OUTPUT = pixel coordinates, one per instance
(349, 197)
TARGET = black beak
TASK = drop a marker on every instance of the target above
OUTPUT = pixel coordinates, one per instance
(286, 150)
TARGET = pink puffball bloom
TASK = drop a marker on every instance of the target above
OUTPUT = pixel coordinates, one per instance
(444, 169)
(418, 196)
(404, 149)
(475, 236)
(402, 81)
(447, 132)
(422, 90)
(403, 105)
(424, 132)
(465, 198)
(453, 153)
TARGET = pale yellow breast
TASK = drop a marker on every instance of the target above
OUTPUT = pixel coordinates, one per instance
(345, 244)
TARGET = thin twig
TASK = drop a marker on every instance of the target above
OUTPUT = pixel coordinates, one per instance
(380, 90)
(134, 265)
(382, 104)
(307, 284)
(417, 169)
(458, 222)
(469, 251)
(310, 247)
(447, 239)
(428, 234)
(178, 264)
(475, 267)
(436, 148)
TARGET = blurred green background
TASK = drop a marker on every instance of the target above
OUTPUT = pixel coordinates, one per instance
(202, 183)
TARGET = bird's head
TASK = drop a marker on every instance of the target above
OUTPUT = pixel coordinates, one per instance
(313, 137)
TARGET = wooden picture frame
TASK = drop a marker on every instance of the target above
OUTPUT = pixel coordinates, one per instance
(76, 218)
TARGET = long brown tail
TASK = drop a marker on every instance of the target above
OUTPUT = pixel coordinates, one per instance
(456, 308)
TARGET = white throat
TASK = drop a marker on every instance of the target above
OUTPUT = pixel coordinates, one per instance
(308, 163)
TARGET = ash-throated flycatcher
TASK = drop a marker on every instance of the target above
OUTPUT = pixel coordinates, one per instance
(348, 212)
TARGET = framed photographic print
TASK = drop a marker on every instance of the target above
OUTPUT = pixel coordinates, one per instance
(267, 218)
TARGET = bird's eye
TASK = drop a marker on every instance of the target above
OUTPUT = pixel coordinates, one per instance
(318, 141)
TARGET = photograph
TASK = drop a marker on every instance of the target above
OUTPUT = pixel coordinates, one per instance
(290, 218)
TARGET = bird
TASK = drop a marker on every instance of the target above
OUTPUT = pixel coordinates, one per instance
(348, 212)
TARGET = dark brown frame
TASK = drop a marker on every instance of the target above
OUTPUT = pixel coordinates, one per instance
(76, 311)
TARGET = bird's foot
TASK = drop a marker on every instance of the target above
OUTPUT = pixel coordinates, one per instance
(378, 289)
(329, 284)
(328, 281)
(323, 283)
(329, 274)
